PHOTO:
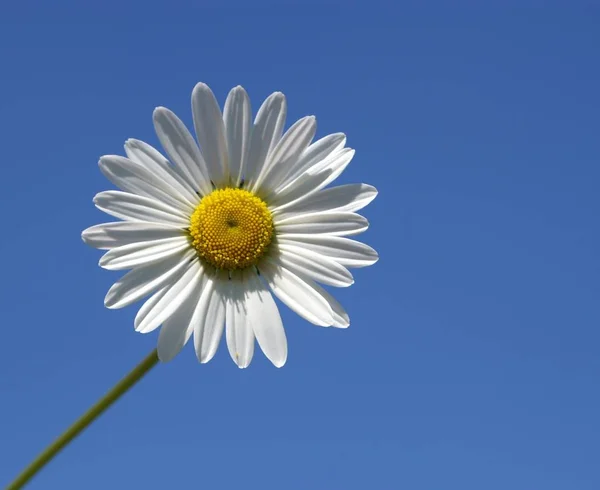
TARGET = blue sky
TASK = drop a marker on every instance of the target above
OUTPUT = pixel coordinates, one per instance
(472, 358)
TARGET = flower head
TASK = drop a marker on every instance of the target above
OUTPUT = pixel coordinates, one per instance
(209, 233)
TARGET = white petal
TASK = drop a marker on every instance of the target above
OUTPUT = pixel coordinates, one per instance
(137, 179)
(339, 224)
(139, 208)
(340, 317)
(350, 197)
(210, 132)
(265, 319)
(296, 293)
(316, 266)
(266, 132)
(146, 155)
(238, 331)
(174, 333)
(182, 149)
(208, 320)
(315, 153)
(313, 180)
(286, 153)
(174, 297)
(238, 124)
(345, 251)
(148, 306)
(146, 279)
(141, 253)
(155, 162)
(110, 235)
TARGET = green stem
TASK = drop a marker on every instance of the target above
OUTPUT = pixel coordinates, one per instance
(86, 419)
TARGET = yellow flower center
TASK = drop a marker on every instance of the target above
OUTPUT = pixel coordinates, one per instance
(231, 228)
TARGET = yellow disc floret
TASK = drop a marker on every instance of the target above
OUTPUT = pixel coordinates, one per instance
(231, 228)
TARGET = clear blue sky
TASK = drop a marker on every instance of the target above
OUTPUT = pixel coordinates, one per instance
(472, 358)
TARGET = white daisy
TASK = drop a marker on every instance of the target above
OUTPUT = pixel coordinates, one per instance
(209, 233)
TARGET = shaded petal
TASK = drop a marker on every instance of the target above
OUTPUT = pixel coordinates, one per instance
(350, 197)
(345, 251)
(266, 132)
(146, 155)
(182, 149)
(146, 279)
(208, 320)
(313, 155)
(238, 124)
(141, 253)
(111, 235)
(238, 331)
(340, 317)
(139, 208)
(210, 132)
(296, 293)
(155, 162)
(339, 224)
(316, 266)
(313, 180)
(175, 331)
(173, 298)
(137, 179)
(265, 319)
(148, 306)
(286, 153)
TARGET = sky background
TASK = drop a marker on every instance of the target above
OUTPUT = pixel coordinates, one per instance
(472, 358)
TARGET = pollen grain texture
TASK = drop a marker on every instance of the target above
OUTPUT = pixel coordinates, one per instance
(231, 228)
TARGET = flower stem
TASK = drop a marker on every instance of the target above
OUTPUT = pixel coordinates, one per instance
(86, 419)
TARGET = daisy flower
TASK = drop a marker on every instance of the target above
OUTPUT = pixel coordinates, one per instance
(212, 232)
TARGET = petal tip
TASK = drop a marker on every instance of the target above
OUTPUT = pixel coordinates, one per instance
(159, 111)
(200, 86)
(279, 363)
(111, 300)
(162, 358)
(205, 357)
(280, 96)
